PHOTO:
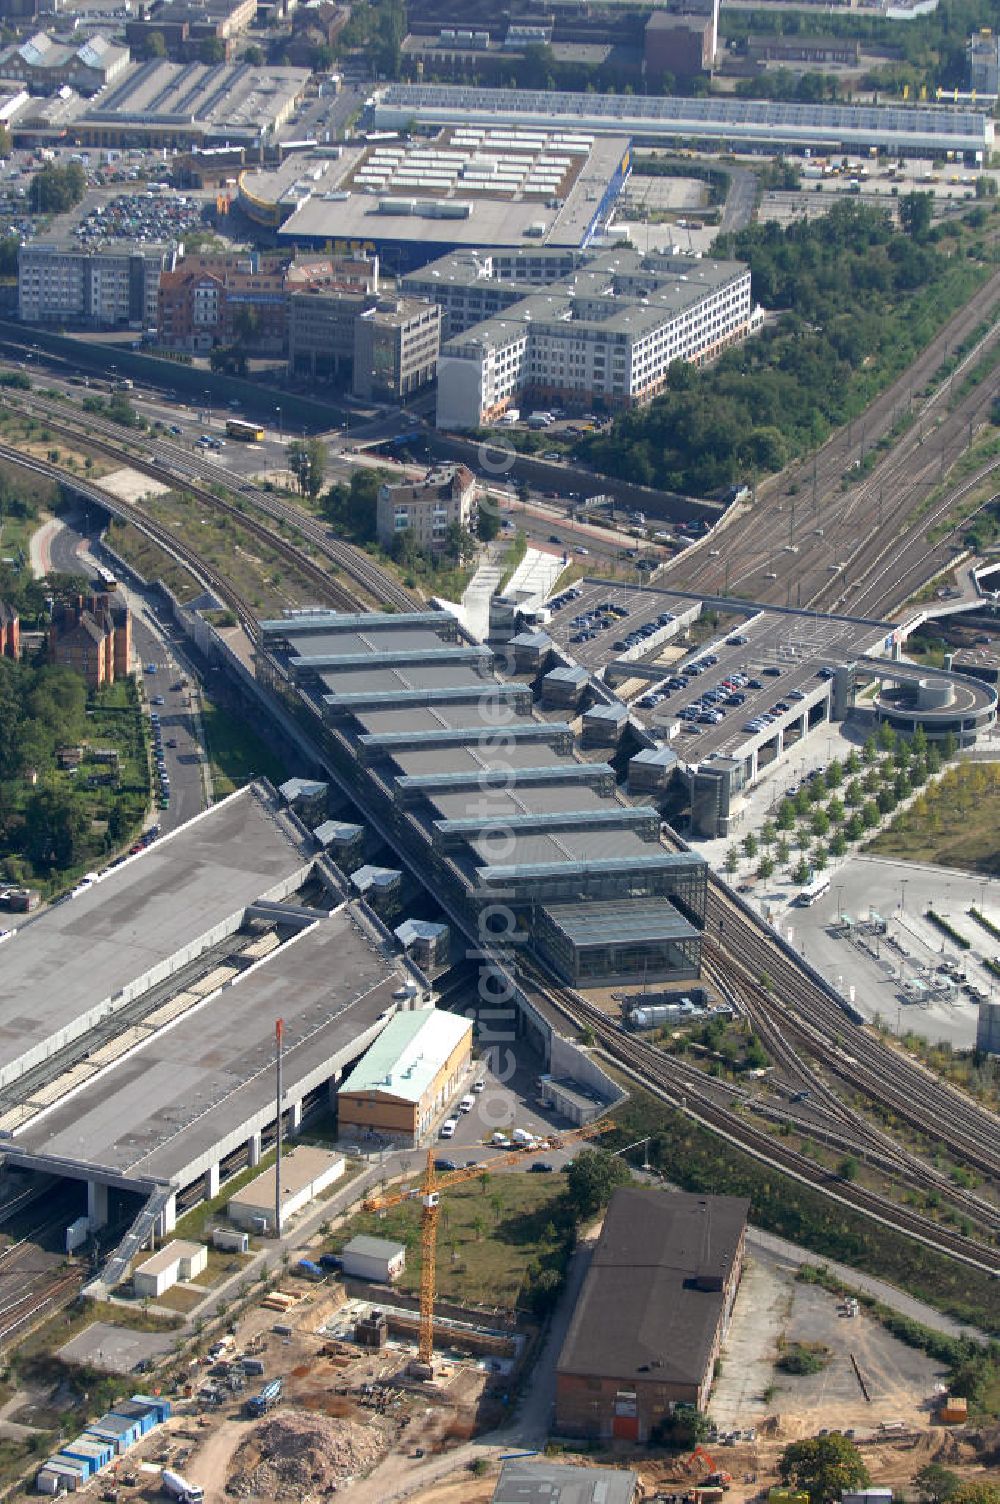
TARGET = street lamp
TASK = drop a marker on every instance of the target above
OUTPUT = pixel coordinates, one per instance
(902, 896)
(278, 411)
(208, 408)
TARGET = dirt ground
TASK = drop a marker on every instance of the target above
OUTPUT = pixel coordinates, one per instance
(754, 1469)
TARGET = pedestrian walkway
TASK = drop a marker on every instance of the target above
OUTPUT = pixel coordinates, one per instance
(474, 611)
(535, 576)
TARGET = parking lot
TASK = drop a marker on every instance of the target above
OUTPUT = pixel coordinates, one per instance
(898, 974)
(755, 674)
(144, 216)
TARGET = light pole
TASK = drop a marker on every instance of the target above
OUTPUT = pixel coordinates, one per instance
(278, 411)
(902, 895)
(208, 408)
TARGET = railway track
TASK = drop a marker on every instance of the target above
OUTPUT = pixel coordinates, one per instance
(103, 499)
(21, 1315)
(672, 1081)
(806, 507)
(799, 1006)
(174, 465)
(842, 1124)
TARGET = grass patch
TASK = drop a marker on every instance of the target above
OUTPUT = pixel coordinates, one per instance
(252, 567)
(196, 1223)
(150, 560)
(236, 753)
(954, 822)
(496, 1238)
(803, 1357)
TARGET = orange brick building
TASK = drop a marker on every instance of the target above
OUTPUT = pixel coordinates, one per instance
(92, 635)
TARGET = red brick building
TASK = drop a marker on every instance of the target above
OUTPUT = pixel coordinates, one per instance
(10, 632)
(92, 635)
(652, 1314)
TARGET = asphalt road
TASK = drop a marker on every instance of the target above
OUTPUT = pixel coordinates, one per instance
(154, 642)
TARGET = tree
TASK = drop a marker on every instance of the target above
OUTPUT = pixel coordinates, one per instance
(838, 843)
(732, 861)
(835, 810)
(750, 844)
(156, 45)
(253, 55)
(823, 1467)
(834, 775)
(800, 873)
(768, 833)
(55, 827)
(915, 212)
(211, 50)
(307, 462)
(765, 867)
(786, 815)
(870, 751)
(781, 850)
(592, 1177)
(976, 1493)
(487, 520)
(54, 189)
(936, 1484)
(819, 857)
(820, 822)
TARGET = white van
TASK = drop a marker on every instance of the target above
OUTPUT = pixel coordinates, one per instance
(467, 1103)
(447, 1129)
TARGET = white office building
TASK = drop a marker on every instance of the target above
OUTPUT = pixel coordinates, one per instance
(601, 335)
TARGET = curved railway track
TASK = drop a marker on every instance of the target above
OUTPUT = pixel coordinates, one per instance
(174, 466)
(684, 1087)
(800, 1006)
(842, 1124)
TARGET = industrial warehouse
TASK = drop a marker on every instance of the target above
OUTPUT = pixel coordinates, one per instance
(652, 1314)
(414, 202)
(491, 801)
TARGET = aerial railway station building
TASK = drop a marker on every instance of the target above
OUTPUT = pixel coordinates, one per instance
(512, 823)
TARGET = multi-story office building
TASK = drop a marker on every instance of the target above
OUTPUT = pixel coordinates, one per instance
(427, 509)
(97, 286)
(601, 333)
(396, 344)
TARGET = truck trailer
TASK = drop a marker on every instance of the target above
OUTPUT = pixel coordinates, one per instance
(179, 1488)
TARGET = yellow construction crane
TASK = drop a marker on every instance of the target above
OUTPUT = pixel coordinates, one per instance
(429, 1195)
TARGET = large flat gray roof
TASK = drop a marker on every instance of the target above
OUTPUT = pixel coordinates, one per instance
(468, 758)
(84, 957)
(500, 804)
(176, 1099)
(411, 676)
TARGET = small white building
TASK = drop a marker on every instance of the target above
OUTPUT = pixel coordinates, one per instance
(373, 1258)
(305, 1174)
(175, 1261)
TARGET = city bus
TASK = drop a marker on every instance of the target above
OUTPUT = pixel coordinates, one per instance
(818, 888)
(238, 428)
(106, 580)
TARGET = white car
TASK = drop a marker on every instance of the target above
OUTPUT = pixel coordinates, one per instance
(447, 1129)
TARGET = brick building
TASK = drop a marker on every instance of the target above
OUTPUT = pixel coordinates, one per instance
(428, 508)
(679, 45)
(213, 300)
(10, 632)
(185, 28)
(92, 635)
(216, 300)
(652, 1314)
(408, 1076)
